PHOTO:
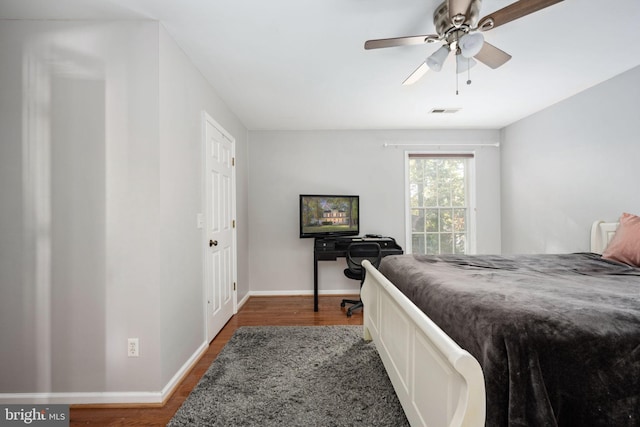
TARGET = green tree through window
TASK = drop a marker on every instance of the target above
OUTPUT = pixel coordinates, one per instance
(439, 203)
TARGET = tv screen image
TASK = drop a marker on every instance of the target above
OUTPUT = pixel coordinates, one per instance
(329, 215)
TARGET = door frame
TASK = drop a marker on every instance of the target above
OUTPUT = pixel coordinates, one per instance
(203, 220)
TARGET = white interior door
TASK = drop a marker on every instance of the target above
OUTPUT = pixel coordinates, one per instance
(220, 247)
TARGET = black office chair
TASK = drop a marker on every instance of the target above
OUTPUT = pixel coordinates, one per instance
(356, 253)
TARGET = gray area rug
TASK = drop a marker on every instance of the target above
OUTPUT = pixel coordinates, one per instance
(294, 376)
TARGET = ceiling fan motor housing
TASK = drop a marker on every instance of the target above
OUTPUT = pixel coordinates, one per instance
(443, 24)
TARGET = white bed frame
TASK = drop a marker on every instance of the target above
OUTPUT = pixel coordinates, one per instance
(601, 234)
(437, 382)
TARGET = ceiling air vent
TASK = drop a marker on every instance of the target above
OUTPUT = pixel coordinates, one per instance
(444, 110)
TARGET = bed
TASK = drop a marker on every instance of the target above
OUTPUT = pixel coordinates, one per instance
(511, 340)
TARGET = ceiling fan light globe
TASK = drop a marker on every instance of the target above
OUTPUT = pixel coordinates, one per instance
(463, 64)
(437, 58)
(471, 44)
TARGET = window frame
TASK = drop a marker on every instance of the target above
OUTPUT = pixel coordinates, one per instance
(470, 189)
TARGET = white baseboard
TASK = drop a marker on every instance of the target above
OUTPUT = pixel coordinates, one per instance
(183, 371)
(106, 398)
(89, 398)
(302, 292)
(244, 300)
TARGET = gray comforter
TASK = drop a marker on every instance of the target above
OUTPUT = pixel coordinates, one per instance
(557, 336)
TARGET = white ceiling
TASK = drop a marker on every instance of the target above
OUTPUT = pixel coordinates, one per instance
(301, 64)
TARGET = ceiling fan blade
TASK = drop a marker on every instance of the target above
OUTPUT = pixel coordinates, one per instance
(513, 11)
(492, 56)
(458, 8)
(416, 75)
(400, 41)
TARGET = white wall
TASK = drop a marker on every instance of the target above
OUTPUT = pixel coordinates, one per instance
(184, 94)
(569, 165)
(286, 164)
(100, 167)
(67, 86)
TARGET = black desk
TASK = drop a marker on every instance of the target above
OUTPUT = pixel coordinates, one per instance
(330, 249)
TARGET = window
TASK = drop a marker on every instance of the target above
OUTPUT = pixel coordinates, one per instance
(439, 203)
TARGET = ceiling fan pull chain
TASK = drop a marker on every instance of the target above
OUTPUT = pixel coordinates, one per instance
(458, 51)
(469, 72)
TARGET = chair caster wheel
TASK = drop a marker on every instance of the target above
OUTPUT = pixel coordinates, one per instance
(342, 304)
(348, 314)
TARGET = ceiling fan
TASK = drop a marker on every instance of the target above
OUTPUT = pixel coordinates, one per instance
(459, 28)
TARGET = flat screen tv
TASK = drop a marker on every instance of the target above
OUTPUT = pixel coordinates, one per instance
(329, 215)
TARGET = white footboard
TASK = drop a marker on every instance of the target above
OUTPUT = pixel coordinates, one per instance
(437, 382)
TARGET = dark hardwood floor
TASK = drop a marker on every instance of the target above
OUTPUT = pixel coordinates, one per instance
(279, 311)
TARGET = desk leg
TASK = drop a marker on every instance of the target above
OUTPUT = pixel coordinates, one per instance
(315, 282)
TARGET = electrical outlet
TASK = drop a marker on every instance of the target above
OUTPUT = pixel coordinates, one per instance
(133, 348)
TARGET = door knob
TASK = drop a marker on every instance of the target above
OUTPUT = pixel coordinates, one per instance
(213, 243)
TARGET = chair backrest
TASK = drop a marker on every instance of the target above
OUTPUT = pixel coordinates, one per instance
(359, 251)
